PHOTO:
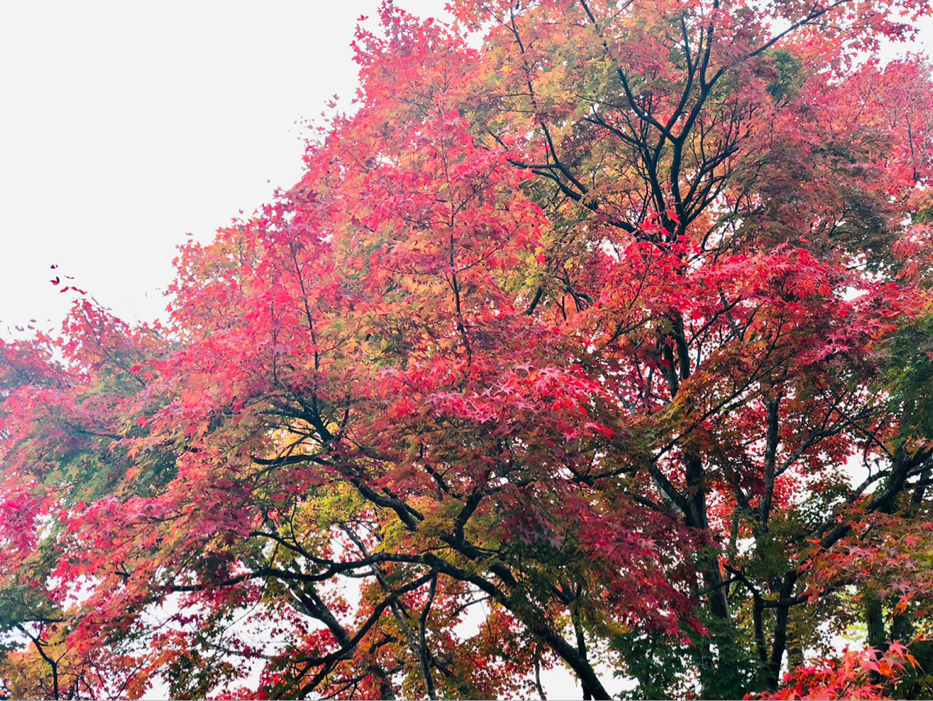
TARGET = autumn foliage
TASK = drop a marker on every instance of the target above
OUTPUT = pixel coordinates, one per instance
(596, 335)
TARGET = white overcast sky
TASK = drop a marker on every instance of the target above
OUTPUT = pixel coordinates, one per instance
(126, 125)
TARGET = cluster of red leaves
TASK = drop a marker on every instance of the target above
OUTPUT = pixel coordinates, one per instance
(850, 677)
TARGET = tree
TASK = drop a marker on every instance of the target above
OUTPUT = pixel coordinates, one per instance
(577, 335)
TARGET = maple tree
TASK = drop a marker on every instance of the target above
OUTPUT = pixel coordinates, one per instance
(563, 351)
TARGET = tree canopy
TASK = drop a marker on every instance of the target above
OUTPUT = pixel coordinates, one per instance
(606, 343)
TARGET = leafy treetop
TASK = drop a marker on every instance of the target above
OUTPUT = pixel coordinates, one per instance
(579, 334)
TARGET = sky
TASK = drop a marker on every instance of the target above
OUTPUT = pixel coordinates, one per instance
(126, 125)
